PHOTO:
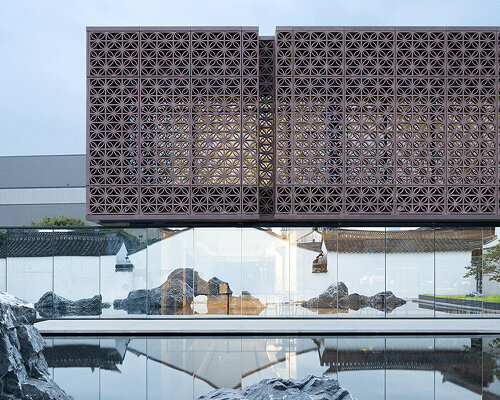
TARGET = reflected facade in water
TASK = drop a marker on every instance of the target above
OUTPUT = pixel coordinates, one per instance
(369, 272)
(186, 368)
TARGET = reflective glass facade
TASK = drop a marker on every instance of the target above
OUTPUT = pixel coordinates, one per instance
(393, 272)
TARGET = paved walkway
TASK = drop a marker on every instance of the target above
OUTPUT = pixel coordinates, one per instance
(270, 326)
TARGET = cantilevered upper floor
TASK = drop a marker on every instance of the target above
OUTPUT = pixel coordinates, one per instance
(314, 124)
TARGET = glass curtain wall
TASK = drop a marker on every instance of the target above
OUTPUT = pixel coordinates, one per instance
(393, 272)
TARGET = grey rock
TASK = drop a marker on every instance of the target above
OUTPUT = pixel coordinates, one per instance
(24, 374)
(308, 388)
(337, 296)
(51, 305)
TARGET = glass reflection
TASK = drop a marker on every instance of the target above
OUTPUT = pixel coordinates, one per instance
(410, 270)
(458, 271)
(445, 368)
(361, 267)
(265, 272)
(286, 272)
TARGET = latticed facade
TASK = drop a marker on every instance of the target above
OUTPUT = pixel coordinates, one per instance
(313, 124)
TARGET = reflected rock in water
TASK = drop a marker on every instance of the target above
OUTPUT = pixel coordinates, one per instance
(307, 388)
(176, 295)
(337, 297)
(24, 373)
(52, 305)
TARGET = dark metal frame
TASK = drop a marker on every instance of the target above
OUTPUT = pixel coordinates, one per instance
(316, 124)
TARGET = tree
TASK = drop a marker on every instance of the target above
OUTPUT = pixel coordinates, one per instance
(59, 221)
(487, 263)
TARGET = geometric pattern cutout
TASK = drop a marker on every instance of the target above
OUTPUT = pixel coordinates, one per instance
(313, 123)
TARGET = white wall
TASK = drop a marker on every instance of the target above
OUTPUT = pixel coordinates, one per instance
(76, 277)
(29, 277)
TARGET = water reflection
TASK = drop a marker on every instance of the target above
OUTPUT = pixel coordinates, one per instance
(186, 368)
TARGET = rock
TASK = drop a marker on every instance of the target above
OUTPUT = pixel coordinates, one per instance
(329, 298)
(174, 296)
(52, 305)
(337, 296)
(308, 388)
(24, 374)
(216, 287)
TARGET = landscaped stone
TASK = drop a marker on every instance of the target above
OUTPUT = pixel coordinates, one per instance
(52, 305)
(174, 296)
(309, 388)
(337, 296)
(24, 374)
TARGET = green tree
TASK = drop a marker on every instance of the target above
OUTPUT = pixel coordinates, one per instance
(488, 263)
(59, 221)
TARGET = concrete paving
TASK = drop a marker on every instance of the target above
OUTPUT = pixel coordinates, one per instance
(270, 326)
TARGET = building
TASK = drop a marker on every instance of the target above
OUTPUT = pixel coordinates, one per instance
(34, 187)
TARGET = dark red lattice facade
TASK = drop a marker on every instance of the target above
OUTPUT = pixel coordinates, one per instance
(313, 124)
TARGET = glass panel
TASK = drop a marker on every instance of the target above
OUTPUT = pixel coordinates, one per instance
(217, 259)
(170, 272)
(313, 272)
(123, 273)
(211, 357)
(357, 360)
(170, 369)
(458, 368)
(75, 364)
(3, 259)
(409, 368)
(128, 381)
(77, 255)
(458, 272)
(30, 267)
(361, 268)
(265, 268)
(409, 272)
(490, 282)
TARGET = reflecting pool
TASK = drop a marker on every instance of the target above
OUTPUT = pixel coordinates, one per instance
(454, 368)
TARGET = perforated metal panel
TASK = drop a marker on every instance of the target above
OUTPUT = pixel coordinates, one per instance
(313, 124)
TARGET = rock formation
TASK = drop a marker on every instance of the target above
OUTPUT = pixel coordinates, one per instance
(24, 374)
(337, 296)
(176, 294)
(309, 388)
(52, 305)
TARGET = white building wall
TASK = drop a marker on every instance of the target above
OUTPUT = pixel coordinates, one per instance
(3, 274)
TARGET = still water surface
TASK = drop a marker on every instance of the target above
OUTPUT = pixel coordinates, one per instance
(451, 368)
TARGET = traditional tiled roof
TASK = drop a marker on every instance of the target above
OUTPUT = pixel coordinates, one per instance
(72, 243)
(411, 241)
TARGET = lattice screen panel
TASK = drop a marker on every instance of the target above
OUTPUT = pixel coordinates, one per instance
(173, 123)
(386, 123)
(314, 124)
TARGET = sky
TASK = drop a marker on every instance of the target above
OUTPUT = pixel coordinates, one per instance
(42, 48)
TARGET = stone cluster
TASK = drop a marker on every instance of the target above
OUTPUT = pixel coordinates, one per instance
(337, 296)
(24, 374)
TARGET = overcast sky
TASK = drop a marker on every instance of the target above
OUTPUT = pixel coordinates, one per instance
(42, 48)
